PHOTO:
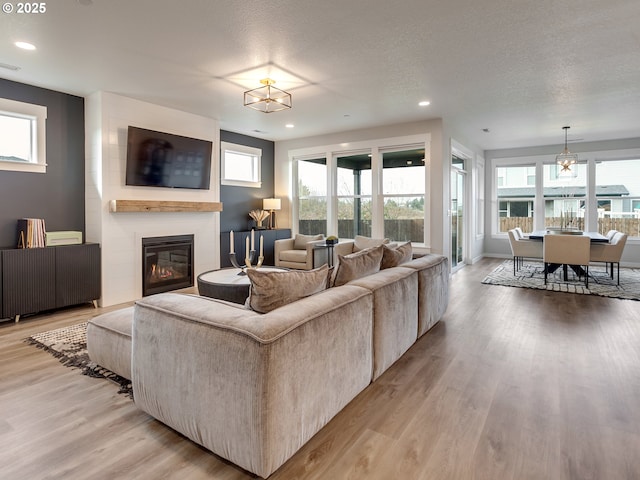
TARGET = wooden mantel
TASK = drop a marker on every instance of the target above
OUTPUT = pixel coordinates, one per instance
(119, 206)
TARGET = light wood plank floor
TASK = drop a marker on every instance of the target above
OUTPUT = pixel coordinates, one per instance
(512, 384)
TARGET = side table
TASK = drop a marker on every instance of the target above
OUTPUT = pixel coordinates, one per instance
(328, 248)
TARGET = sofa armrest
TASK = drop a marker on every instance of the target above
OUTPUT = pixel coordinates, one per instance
(310, 251)
(251, 388)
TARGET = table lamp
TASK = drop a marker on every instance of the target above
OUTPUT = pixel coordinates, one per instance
(271, 204)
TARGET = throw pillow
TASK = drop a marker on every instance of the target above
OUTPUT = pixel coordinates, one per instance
(270, 290)
(358, 265)
(392, 257)
(300, 242)
(362, 243)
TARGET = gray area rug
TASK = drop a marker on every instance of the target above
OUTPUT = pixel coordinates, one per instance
(69, 345)
(531, 275)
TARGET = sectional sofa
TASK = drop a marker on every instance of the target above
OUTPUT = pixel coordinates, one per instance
(255, 387)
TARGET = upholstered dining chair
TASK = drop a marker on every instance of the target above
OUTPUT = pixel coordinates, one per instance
(609, 253)
(610, 234)
(567, 250)
(522, 248)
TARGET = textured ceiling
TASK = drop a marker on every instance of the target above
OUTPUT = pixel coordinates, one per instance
(522, 69)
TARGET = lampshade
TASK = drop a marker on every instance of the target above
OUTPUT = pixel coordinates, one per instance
(271, 204)
(267, 99)
(566, 158)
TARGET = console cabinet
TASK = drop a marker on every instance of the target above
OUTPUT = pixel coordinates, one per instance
(269, 238)
(39, 279)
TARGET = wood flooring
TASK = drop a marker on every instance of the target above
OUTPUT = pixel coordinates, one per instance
(511, 384)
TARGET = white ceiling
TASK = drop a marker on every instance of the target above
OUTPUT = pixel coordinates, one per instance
(521, 68)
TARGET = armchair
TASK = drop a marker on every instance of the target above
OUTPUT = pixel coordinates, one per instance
(611, 252)
(522, 248)
(296, 253)
(567, 250)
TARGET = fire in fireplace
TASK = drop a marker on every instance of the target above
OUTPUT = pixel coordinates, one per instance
(167, 263)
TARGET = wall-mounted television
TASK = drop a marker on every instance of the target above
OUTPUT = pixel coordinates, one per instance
(157, 159)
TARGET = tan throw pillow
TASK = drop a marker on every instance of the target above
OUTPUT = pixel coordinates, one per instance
(300, 242)
(362, 243)
(358, 265)
(392, 257)
(270, 290)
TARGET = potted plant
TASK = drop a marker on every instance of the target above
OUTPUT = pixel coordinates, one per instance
(331, 240)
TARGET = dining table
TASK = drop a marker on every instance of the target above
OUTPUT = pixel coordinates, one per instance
(552, 267)
(594, 236)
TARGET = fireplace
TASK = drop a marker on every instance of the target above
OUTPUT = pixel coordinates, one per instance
(167, 263)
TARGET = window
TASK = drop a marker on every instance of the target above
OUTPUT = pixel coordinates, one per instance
(564, 196)
(516, 196)
(403, 189)
(312, 196)
(374, 188)
(354, 195)
(22, 136)
(240, 165)
(618, 196)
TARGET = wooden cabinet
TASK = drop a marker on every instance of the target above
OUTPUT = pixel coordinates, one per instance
(38, 279)
(269, 238)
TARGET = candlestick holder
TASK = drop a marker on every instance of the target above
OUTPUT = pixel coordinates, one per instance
(247, 261)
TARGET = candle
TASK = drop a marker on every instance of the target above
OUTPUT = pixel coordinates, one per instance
(246, 250)
(253, 243)
(261, 247)
(231, 243)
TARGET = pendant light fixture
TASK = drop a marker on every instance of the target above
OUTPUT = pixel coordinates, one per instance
(566, 158)
(267, 99)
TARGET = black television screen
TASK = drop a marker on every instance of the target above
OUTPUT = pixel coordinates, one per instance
(159, 159)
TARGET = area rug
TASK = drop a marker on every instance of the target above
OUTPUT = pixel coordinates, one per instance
(69, 345)
(531, 275)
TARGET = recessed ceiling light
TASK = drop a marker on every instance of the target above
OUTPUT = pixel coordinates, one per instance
(424, 103)
(289, 125)
(25, 45)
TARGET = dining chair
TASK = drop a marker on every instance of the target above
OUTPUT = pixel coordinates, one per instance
(610, 234)
(522, 248)
(568, 250)
(609, 253)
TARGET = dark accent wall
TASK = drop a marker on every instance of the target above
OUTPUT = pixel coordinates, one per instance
(58, 195)
(239, 201)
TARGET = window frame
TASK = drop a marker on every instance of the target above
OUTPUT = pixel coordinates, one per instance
(375, 147)
(37, 115)
(590, 159)
(253, 152)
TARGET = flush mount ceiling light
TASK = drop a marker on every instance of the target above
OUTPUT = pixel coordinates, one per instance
(267, 99)
(25, 45)
(566, 158)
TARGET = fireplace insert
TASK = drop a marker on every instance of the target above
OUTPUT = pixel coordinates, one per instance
(167, 263)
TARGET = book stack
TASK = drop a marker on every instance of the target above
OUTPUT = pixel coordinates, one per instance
(31, 233)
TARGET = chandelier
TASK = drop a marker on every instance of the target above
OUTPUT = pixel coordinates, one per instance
(267, 99)
(566, 158)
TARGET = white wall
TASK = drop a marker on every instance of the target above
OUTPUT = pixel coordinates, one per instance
(107, 117)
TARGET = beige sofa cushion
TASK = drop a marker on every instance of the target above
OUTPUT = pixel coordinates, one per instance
(392, 257)
(358, 265)
(270, 290)
(300, 242)
(297, 256)
(362, 243)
